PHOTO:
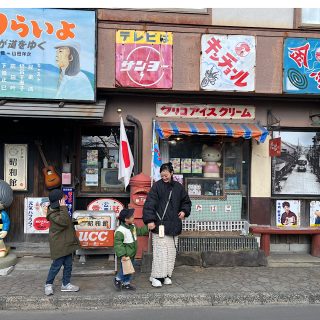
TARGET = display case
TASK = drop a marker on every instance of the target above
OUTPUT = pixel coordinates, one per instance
(232, 167)
(204, 187)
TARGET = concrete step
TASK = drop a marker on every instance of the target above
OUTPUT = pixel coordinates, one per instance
(286, 260)
(22, 249)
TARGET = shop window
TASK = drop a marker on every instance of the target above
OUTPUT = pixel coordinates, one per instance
(307, 17)
(100, 159)
(208, 167)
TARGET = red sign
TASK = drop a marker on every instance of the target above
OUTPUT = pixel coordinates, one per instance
(41, 223)
(144, 59)
(275, 147)
(95, 238)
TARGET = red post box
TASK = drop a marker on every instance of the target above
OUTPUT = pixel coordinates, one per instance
(139, 187)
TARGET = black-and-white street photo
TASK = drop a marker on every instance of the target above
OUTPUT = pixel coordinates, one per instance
(297, 170)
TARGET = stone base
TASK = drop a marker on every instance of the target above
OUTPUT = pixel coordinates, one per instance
(6, 271)
(8, 261)
(254, 258)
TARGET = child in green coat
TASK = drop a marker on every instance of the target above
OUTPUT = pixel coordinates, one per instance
(125, 245)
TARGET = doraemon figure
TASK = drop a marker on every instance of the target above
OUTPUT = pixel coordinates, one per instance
(6, 197)
(211, 155)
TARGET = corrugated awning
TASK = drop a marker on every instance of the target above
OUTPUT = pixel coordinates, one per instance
(67, 110)
(166, 129)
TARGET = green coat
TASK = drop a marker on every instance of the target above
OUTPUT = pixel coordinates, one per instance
(62, 236)
(125, 239)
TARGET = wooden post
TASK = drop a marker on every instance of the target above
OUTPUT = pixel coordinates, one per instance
(315, 245)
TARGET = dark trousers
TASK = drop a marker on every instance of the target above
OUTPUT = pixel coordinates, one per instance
(56, 265)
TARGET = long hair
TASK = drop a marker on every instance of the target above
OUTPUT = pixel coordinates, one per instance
(74, 65)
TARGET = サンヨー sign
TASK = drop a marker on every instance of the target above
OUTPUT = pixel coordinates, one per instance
(205, 111)
(227, 62)
(144, 59)
(47, 54)
(301, 65)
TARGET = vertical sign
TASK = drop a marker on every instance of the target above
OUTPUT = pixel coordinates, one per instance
(301, 65)
(227, 62)
(275, 147)
(15, 166)
(69, 197)
(144, 59)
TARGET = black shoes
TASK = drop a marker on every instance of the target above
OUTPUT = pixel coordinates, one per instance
(128, 287)
(117, 284)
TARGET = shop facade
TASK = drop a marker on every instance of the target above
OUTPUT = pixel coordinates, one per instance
(235, 121)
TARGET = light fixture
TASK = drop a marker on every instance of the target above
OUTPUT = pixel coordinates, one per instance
(315, 119)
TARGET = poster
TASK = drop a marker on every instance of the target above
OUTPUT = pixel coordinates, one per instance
(196, 165)
(176, 164)
(301, 65)
(296, 171)
(314, 213)
(35, 212)
(48, 54)
(16, 166)
(227, 62)
(69, 198)
(186, 165)
(92, 177)
(92, 157)
(178, 178)
(144, 59)
(288, 213)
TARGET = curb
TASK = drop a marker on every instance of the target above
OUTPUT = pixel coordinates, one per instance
(130, 300)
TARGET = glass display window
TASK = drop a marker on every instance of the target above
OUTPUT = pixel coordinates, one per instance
(100, 159)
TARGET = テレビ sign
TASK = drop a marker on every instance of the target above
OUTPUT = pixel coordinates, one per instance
(144, 59)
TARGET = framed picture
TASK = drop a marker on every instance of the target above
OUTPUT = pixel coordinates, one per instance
(297, 170)
(176, 164)
(16, 165)
(186, 165)
(314, 213)
(288, 213)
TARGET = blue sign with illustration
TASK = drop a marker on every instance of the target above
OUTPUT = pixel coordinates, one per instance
(301, 65)
(47, 54)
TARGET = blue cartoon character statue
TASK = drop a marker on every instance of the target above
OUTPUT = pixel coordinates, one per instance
(6, 197)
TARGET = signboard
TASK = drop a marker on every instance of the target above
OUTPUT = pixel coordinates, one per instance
(35, 212)
(106, 204)
(16, 166)
(314, 213)
(144, 59)
(275, 147)
(205, 111)
(95, 228)
(227, 62)
(288, 213)
(69, 198)
(301, 65)
(47, 54)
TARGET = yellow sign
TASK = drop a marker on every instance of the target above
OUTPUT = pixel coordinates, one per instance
(144, 37)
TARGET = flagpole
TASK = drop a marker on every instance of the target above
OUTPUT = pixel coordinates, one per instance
(152, 149)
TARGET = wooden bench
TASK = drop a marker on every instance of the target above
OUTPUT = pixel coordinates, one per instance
(266, 231)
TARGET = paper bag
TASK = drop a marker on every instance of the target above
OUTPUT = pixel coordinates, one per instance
(127, 266)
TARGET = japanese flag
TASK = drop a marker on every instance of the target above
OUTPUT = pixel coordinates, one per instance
(126, 162)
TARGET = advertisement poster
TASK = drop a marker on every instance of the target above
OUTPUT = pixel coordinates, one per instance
(16, 165)
(144, 59)
(296, 171)
(301, 65)
(35, 211)
(47, 54)
(288, 213)
(314, 213)
(69, 198)
(92, 177)
(176, 164)
(186, 165)
(227, 62)
(92, 157)
(196, 165)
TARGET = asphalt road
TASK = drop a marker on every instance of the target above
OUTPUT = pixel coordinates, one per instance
(305, 312)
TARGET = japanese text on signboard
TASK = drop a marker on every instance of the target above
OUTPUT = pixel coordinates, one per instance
(47, 53)
(205, 111)
(144, 59)
(301, 72)
(227, 63)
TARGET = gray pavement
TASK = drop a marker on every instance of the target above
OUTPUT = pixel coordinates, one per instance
(192, 286)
